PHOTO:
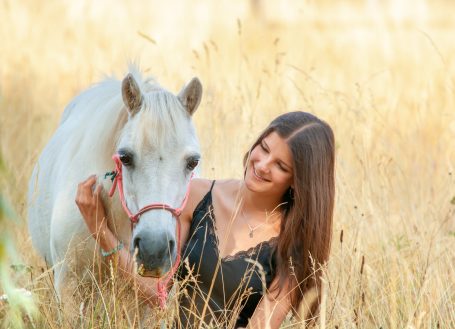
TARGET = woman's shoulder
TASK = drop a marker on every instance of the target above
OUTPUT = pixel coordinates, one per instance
(227, 188)
(200, 186)
(223, 189)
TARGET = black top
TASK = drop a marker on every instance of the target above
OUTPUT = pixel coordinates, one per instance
(239, 282)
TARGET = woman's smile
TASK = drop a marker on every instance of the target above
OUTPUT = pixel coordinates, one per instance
(258, 176)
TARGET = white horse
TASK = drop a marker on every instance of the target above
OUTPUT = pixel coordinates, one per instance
(152, 132)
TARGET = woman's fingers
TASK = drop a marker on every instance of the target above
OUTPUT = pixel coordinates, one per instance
(87, 185)
(90, 204)
(89, 182)
(98, 190)
(85, 191)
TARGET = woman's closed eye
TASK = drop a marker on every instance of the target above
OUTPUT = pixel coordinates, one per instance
(282, 167)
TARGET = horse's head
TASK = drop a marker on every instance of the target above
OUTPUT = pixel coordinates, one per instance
(159, 150)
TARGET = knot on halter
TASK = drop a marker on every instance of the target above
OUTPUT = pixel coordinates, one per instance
(112, 173)
(117, 180)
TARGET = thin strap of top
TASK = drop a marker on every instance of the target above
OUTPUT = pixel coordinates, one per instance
(211, 187)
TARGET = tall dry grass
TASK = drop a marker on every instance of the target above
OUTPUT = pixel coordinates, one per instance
(380, 73)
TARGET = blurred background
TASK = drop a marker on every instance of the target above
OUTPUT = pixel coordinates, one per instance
(381, 73)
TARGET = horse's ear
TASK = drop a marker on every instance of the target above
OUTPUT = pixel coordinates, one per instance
(132, 96)
(190, 95)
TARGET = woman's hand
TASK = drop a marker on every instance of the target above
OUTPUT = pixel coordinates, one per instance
(92, 209)
(91, 206)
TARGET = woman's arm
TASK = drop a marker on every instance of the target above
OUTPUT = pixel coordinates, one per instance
(92, 209)
(271, 310)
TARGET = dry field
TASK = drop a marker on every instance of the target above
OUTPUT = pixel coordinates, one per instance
(381, 73)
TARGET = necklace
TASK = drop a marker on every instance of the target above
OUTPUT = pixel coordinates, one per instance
(252, 229)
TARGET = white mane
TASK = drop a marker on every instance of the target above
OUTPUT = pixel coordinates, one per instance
(154, 123)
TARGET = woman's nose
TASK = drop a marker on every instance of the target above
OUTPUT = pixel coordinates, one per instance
(263, 166)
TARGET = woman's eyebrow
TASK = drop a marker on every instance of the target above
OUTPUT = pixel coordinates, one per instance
(264, 143)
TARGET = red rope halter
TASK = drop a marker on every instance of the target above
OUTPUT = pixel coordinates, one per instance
(118, 181)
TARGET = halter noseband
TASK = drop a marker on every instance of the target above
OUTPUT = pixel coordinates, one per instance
(118, 181)
(134, 218)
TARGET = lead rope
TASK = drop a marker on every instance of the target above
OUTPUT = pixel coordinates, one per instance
(161, 285)
(117, 180)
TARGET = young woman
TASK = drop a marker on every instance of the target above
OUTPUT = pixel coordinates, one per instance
(252, 247)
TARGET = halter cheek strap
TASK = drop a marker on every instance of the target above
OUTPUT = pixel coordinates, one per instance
(134, 218)
(118, 181)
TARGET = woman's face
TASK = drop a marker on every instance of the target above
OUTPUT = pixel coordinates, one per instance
(269, 168)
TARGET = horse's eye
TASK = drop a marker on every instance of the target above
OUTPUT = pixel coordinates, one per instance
(192, 163)
(126, 158)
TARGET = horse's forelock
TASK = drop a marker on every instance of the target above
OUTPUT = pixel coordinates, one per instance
(161, 120)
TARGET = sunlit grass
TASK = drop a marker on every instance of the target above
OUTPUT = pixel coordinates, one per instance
(380, 73)
(17, 307)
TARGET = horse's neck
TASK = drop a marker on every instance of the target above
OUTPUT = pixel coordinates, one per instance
(106, 123)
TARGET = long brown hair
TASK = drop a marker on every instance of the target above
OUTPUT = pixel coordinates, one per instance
(303, 245)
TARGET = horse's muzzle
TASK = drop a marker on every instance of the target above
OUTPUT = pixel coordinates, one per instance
(154, 255)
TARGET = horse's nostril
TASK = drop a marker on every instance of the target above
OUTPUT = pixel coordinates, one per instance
(154, 252)
(171, 246)
(136, 243)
